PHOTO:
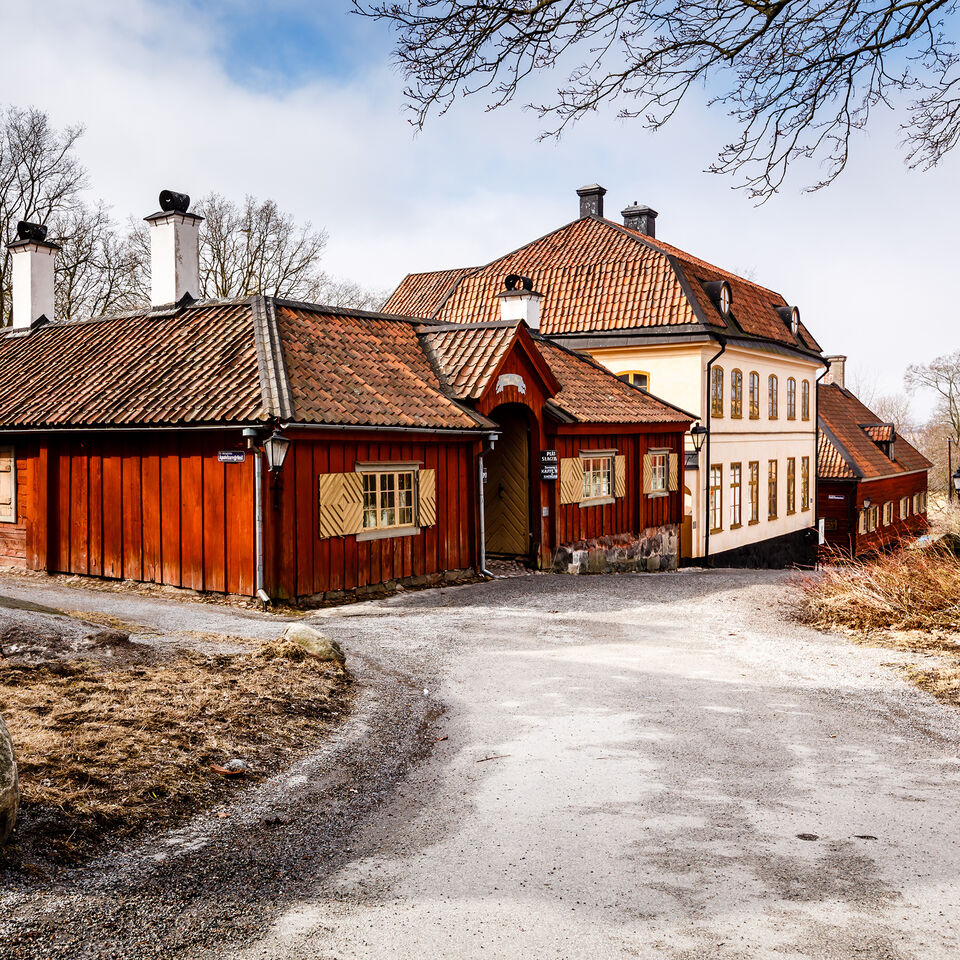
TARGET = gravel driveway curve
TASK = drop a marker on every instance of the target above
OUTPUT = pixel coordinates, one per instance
(631, 766)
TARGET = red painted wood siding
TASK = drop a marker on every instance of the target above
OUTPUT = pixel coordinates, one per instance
(299, 563)
(847, 511)
(159, 508)
(633, 512)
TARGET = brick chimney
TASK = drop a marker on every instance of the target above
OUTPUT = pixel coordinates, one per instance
(174, 250)
(34, 259)
(591, 200)
(640, 218)
(837, 371)
(519, 301)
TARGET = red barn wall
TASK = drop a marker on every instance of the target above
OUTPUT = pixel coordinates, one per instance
(300, 563)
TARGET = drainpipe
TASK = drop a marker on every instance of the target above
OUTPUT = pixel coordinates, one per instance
(814, 460)
(487, 448)
(706, 530)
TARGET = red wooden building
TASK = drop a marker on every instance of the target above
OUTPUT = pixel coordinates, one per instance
(132, 447)
(871, 484)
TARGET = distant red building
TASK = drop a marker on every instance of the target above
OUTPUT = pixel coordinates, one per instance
(871, 484)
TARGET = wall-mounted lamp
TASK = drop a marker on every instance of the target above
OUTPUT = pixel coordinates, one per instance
(698, 434)
(275, 447)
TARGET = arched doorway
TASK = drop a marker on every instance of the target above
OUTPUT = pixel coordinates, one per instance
(507, 493)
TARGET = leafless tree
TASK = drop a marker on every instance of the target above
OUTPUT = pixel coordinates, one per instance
(798, 78)
(347, 293)
(942, 376)
(894, 408)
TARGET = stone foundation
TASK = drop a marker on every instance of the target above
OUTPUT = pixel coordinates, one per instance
(655, 549)
(387, 588)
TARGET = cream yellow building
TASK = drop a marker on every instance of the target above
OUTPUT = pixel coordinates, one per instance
(723, 348)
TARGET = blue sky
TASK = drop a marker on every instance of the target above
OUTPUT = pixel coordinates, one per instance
(299, 102)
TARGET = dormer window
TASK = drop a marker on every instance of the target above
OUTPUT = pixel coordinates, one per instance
(726, 299)
(791, 317)
(721, 294)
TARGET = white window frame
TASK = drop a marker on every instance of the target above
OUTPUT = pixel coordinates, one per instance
(606, 474)
(659, 472)
(380, 469)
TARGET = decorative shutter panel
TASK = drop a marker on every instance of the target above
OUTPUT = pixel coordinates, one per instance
(862, 523)
(340, 504)
(647, 473)
(571, 480)
(674, 467)
(427, 498)
(7, 474)
(619, 476)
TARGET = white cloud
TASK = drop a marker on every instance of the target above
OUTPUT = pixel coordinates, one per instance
(869, 261)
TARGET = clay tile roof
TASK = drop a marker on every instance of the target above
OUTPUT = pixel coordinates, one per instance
(364, 369)
(592, 394)
(198, 364)
(841, 420)
(468, 356)
(421, 294)
(599, 276)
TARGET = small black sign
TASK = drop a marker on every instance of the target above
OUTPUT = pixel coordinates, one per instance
(548, 465)
(232, 456)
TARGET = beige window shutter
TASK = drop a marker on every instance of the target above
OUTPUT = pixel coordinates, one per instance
(571, 480)
(647, 473)
(862, 524)
(674, 466)
(427, 498)
(619, 476)
(8, 503)
(340, 505)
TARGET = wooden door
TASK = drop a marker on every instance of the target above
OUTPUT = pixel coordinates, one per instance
(508, 490)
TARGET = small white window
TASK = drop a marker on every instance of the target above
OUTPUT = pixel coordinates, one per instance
(387, 500)
(597, 477)
(726, 298)
(659, 467)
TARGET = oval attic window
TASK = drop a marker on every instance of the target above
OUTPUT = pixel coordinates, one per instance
(726, 299)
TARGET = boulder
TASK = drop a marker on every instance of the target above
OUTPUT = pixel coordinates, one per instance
(313, 642)
(9, 784)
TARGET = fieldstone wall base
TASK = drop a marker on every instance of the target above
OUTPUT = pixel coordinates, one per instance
(388, 588)
(653, 550)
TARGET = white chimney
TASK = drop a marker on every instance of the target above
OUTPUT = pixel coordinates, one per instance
(837, 371)
(174, 250)
(34, 260)
(519, 301)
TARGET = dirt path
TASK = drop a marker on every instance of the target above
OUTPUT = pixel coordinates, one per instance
(626, 766)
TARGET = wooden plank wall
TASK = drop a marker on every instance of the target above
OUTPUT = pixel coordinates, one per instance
(155, 507)
(301, 564)
(633, 512)
(13, 536)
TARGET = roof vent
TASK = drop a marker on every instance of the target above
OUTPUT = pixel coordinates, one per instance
(591, 200)
(173, 202)
(519, 301)
(640, 218)
(33, 232)
(721, 294)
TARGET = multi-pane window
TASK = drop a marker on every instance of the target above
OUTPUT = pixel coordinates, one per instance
(736, 507)
(923, 502)
(387, 500)
(597, 477)
(805, 483)
(754, 395)
(772, 490)
(754, 489)
(888, 513)
(716, 498)
(791, 484)
(791, 399)
(637, 378)
(916, 503)
(736, 394)
(659, 466)
(805, 400)
(716, 392)
(773, 397)
(904, 508)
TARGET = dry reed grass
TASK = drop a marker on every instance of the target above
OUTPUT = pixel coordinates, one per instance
(106, 750)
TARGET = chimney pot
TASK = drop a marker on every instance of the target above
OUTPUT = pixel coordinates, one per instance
(174, 250)
(641, 218)
(837, 372)
(591, 200)
(34, 263)
(519, 301)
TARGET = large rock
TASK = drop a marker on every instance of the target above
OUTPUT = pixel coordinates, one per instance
(9, 784)
(313, 642)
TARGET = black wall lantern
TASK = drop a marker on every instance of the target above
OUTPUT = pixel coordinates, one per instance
(698, 434)
(275, 447)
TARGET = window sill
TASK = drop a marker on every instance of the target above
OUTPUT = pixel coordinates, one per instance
(791, 513)
(387, 533)
(772, 517)
(735, 526)
(752, 523)
(716, 530)
(658, 493)
(598, 502)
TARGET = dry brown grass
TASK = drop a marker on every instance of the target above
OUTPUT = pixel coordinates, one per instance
(908, 600)
(106, 750)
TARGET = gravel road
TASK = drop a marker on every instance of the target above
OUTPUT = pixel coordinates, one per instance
(560, 767)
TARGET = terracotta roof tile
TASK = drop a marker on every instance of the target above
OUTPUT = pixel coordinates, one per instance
(467, 358)
(842, 418)
(421, 294)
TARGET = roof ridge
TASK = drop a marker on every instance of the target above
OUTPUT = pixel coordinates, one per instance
(274, 381)
(335, 311)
